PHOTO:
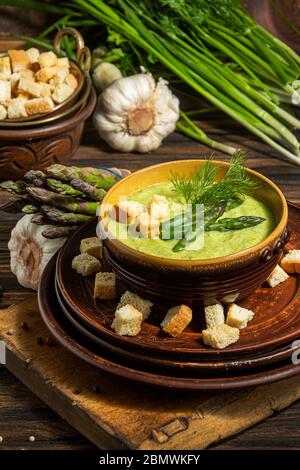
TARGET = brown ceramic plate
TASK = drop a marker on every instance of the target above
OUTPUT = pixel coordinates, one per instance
(246, 362)
(276, 322)
(72, 340)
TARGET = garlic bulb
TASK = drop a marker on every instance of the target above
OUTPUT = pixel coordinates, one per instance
(135, 114)
(104, 74)
(30, 251)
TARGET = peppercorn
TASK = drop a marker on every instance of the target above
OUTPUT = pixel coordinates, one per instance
(24, 325)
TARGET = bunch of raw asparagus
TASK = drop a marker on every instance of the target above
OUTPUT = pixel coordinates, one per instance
(61, 196)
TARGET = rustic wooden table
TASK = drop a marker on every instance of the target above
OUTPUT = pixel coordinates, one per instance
(22, 414)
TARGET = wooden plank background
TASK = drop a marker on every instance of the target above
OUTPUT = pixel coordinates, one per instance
(21, 413)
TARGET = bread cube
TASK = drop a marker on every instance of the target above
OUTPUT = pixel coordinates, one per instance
(147, 226)
(61, 93)
(86, 264)
(105, 286)
(92, 246)
(220, 336)
(71, 81)
(28, 86)
(39, 105)
(47, 59)
(46, 90)
(59, 77)
(63, 62)
(142, 305)
(5, 70)
(291, 262)
(127, 211)
(27, 73)
(14, 80)
(19, 60)
(158, 199)
(277, 276)
(23, 96)
(45, 74)
(3, 112)
(16, 108)
(127, 321)
(33, 54)
(214, 315)
(238, 317)
(5, 91)
(176, 320)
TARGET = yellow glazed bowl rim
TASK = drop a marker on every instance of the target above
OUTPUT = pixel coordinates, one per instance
(190, 263)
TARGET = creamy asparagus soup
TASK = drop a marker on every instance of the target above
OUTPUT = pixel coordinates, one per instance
(223, 237)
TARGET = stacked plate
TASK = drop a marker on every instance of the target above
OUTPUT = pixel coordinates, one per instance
(263, 353)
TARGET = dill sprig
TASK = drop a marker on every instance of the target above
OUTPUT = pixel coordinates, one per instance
(201, 187)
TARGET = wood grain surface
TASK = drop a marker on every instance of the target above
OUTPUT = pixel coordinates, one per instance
(22, 414)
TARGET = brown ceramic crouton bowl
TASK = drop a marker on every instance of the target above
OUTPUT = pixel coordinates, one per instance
(190, 281)
(37, 141)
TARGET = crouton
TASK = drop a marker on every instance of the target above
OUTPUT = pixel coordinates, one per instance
(28, 86)
(16, 108)
(46, 90)
(39, 105)
(92, 246)
(19, 60)
(291, 262)
(158, 199)
(3, 112)
(71, 81)
(59, 78)
(61, 93)
(86, 264)
(5, 69)
(23, 96)
(105, 286)
(45, 74)
(5, 91)
(127, 211)
(127, 321)
(277, 276)
(47, 59)
(147, 226)
(33, 55)
(14, 80)
(27, 73)
(176, 320)
(214, 315)
(142, 305)
(220, 336)
(63, 62)
(238, 317)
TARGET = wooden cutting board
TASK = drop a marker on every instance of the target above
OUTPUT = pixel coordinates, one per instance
(116, 414)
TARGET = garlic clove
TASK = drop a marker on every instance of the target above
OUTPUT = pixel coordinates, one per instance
(104, 74)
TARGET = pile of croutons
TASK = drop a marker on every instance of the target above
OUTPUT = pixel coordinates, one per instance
(33, 83)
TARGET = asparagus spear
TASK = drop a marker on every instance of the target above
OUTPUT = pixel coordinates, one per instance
(39, 219)
(100, 178)
(236, 223)
(32, 175)
(68, 203)
(15, 205)
(63, 188)
(192, 232)
(17, 187)
(233, 203)
(89, 190)
(59, 232)
(30, 209)
(59, 216)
